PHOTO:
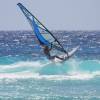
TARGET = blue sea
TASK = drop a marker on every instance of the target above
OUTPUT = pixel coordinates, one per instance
(26, 74)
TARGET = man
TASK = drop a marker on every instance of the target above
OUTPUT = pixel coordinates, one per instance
(47, 53)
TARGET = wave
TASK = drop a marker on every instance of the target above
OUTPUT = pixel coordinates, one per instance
(72, 69)
(23, 64)
(71, 76)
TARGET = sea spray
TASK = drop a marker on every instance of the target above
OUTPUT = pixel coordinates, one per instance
(71, 69)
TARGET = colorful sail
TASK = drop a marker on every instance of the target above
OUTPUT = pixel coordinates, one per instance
(44, 36)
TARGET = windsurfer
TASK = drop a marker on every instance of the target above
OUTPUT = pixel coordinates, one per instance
(47, 50)
(45, 42)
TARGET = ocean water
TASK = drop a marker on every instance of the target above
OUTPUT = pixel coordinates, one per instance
(26, 74)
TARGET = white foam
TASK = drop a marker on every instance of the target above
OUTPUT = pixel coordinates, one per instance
(23, 64)
(71, 76)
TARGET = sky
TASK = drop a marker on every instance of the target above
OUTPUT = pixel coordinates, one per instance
(54, 14)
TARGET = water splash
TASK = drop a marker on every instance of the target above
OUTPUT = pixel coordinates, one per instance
(72, 69)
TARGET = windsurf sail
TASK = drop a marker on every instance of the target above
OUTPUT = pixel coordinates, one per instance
(44, 36)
